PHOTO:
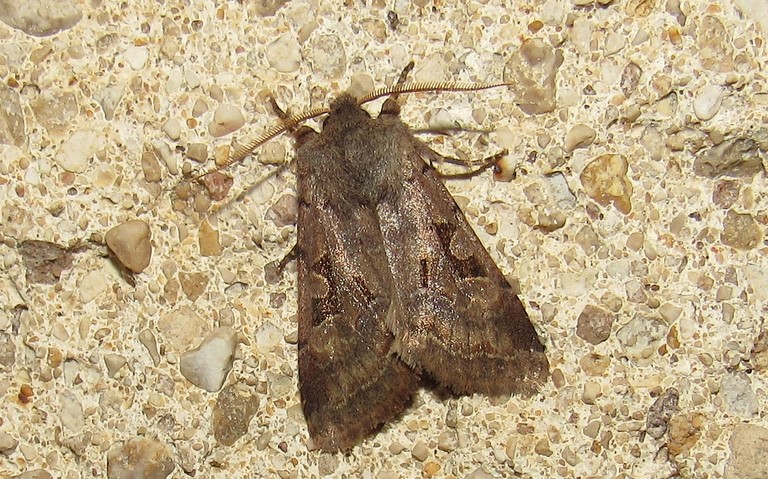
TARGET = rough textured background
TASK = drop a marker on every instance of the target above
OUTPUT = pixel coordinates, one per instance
(634, 222)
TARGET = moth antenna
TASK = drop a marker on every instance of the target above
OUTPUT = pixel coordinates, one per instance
(428, 86)
(245, 149)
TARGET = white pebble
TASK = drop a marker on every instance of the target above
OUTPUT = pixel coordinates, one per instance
(580, 136)
(226, 119)
(136, 57)
(707, 102)
(172, 128)
(207, 366)
(78, 150)
(284, 54)
(268, 336)
(92, 285)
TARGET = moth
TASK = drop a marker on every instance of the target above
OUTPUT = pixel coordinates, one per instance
(393, 283)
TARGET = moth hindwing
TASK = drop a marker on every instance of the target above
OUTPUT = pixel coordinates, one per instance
(393, 282)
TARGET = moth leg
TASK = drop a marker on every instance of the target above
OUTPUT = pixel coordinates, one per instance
(486, 163)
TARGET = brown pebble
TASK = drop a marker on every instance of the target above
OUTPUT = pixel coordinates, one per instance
(740, 231)
(209, 240)
(605, 180)
(193, 284)
(232, 414)
(130, 242)
(218, 185)
(44, 261)
(594, 324)
(25, 393)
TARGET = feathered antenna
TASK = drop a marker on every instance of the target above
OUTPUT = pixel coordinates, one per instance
(245, 149)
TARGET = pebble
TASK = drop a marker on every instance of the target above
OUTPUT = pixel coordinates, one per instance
(139, 457)
(532, 72)
(707, 102)
(131, 244)
(71, 412)
(167, 155)
(44, 262)
(448, 441)
(715, 45)
(284, 211)
(640, 338)
(605, 180)
(197, 152)
(739, 157)
(40, 20)
(594, 324)
(748, 450)
(209, 240)
(683, 433)
(8, 443)
(739, 397)
(327, 464)
(740, 231)
(591, 392)
(114, 362)
(76, 153)
(630, 79)
(172, 129)
(12, 130)
(542, 447)
(420, 452)
(92, 285)
(758, 357)
(595, 364)
(284, 54)
(147, 339)
(232, 414)
(726, 192)
(218, 185)
(479, 473)
(136, 57)
(108, 98)
(34, 474)
(193, 284)
(226, 119)
(207, 366)
(660, 412)
(328, 56)
(430, 469)
(151, 167)
(181, 329)
(268, 336)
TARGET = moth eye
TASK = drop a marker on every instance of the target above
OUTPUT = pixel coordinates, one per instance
(302, 135)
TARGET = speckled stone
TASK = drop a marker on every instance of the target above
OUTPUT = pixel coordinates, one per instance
(748, 449)
(139, 457)
(594, 324)
(40, 20)
(605, 180)
(232, 414)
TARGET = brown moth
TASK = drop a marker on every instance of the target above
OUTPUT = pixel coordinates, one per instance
(393, 283)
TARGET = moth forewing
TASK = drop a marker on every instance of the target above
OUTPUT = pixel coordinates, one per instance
(393, 283)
